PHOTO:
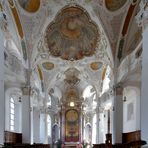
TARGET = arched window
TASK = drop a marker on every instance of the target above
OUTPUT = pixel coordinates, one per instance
(13, 110)
(49, 125)
(12, 114)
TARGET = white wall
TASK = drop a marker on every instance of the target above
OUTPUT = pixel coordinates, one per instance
(26, 123)
(102, 127)
(2, 101)
(7, 112)
(18, 118)
(131, 109)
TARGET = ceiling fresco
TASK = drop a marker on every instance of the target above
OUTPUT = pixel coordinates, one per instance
(71, 76)
(114, 5)
(73, 35)
(96, 65)
(48, 65)
(70, 44)
(30, 5)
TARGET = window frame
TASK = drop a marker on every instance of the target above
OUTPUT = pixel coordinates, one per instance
(11, 114)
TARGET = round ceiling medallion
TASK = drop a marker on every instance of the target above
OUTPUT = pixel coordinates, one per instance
(96, 65)
(72, 36)
(48, 65)
(30, 5)
(114, 5)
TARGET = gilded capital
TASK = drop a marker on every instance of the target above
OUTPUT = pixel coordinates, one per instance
(26, 91)
(119, 89)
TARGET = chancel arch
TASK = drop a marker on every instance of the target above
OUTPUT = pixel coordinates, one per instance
(13, 109)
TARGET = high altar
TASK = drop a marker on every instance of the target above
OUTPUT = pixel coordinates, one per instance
(71, 120)
(71, 126)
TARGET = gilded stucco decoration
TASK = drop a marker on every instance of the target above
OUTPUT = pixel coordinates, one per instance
(72, 94)
(96, 65)
(48, 65)
(73, 35)
(30, 5)
(71, 76)
(114, 5)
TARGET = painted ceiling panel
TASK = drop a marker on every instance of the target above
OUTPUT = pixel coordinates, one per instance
(72, 35)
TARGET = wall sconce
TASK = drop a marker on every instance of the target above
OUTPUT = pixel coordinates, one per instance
(19, 99)
(113, 108)
(124, 99)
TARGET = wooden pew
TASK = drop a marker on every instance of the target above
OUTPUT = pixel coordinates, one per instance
(12, 138)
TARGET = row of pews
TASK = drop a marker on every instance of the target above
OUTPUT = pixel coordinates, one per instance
(134, 144)
(26, 146)
(129, 140)
(14, 140)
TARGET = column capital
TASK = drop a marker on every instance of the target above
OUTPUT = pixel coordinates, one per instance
(119, 89)
(142, 16)
(26, 90)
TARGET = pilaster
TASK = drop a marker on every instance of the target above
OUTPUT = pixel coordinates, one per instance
(2, 100)
(118, 114)
(26, 115)
(142, 20)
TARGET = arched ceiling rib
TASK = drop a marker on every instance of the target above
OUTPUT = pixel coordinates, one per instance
(88, 30)
(72, 28)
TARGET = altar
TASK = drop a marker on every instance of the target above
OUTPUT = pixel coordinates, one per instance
(71, 144)
(71, 125)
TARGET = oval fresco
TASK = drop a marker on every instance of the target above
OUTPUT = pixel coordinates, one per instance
(48, 65)
(96, 65)
(30, 5)
(72, 35)
(114, 5)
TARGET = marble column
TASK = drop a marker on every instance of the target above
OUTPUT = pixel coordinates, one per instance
(142, 19)
(46, 130)
(26, 115)
(2, 100)
(118, 114)
(97, 130)
(36, 125)
(42, 128)
(82, 127)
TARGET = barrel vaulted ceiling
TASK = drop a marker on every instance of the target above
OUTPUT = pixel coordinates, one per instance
(70, 43)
